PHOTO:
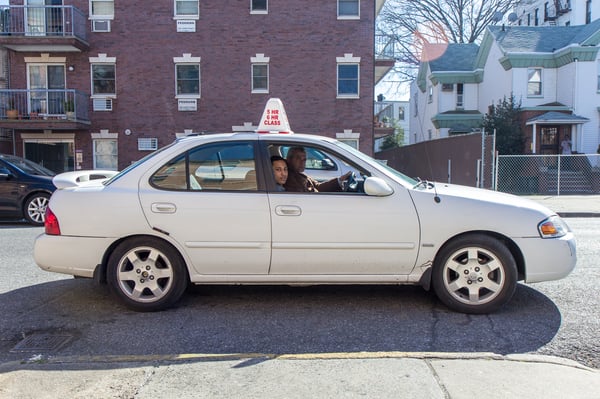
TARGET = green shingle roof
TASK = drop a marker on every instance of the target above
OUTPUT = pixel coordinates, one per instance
(543, 39)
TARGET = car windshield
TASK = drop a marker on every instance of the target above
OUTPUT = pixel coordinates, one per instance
(365, 157)
(27, 166)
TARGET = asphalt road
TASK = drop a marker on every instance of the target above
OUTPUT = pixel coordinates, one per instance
(79, 318)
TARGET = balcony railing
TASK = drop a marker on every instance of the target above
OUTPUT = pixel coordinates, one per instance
(385, 47)
(69, 105)
(43, 21)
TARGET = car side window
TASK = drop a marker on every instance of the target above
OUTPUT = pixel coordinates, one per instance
(323, 166)
(226, 166)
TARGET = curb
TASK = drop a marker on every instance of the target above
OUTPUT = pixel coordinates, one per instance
(39, 360)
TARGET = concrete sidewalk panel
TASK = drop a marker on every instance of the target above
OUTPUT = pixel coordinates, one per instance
(500, 379)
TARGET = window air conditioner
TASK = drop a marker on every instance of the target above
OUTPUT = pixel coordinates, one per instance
(101, 25)
(103, 104)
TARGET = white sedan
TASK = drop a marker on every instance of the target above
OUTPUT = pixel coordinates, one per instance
(205, 210)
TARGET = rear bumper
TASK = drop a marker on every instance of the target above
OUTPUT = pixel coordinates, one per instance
(78, 256)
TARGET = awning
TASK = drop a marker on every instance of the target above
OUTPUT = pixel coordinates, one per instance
(557, 118)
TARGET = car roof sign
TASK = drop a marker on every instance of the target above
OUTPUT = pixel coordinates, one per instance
(274, 119)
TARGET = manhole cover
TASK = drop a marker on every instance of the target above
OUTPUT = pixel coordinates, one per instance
(41, 343)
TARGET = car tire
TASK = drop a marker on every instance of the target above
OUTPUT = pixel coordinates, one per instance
(474, 274)
(147, 274)
(34, 210)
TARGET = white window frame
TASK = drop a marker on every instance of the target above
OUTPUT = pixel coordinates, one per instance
(347, 59)
(259, 11)
(541, 82)
(102, 59)
(104, 136)
(349, 137)
(598, 76)
(186, 16)
(101, 16)
(460, 95)
(259, 60)
(357, 16)
(187, 59)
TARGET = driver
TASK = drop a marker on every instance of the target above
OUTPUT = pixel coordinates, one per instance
(298, 181)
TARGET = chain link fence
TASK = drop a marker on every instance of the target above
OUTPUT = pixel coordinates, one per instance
(574, 174)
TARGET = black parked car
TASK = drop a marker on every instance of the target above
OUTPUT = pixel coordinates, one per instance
(25, 188)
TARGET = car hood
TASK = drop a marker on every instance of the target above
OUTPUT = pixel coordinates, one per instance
(452, 208)
(490, 196)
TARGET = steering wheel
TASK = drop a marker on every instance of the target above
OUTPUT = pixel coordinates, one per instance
(351, 184)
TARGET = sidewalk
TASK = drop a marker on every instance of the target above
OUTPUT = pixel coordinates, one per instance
(341, 375)
(570, 205)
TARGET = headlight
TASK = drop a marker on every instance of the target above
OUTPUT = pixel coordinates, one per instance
(553, 227)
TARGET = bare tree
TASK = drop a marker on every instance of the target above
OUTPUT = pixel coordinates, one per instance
(420, 30)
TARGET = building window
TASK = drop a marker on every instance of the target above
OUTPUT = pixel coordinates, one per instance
(187, 76)
(598, 76)
(447, 87)
(348, 69)
(430, 94)
(259, 6)
(260, 73)
(400, 113)
(105, 154)
(534, 82)
(102, 9)
(187, 9)
(349, 137)
(536, 17)
(260, 78)
(104, 80)
(348, 9)
(188, 79)
(460, 99)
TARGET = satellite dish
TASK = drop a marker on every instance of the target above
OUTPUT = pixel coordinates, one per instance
(497, 16)
(512, 17)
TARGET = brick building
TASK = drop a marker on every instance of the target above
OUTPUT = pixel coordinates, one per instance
(99, 83)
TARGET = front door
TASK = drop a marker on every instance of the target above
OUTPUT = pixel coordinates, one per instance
(47, 88)
(549, 140)
(44, 17)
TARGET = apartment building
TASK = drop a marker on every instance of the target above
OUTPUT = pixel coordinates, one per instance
(99, 83)
(554, 12)
(553, 71)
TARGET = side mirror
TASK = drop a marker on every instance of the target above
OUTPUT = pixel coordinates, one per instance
(5, 174)
(377, 187)
(327, 164)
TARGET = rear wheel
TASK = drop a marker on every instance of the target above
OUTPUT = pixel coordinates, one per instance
(35, 208)
(474, 274)
(146, 274)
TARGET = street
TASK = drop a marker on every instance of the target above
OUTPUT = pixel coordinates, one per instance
(559, 318)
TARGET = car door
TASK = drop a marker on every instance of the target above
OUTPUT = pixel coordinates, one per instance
(207, 199)
(337, 233)
(9, 190)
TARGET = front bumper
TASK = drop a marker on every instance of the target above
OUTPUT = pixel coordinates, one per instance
(548, 259)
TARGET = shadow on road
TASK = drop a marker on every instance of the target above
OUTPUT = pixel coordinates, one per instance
(270, 320)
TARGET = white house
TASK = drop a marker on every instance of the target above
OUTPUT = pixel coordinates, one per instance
(553, 71)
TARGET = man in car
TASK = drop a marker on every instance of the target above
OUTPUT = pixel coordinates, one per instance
(298, 181)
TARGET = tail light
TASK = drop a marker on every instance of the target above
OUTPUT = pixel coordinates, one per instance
(51, 223)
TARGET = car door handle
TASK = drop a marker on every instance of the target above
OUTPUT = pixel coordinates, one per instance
(288, 210)
(163, 207)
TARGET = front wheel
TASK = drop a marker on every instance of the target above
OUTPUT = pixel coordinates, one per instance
(146, 274)
(474, 274)
(35, 208)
